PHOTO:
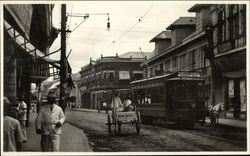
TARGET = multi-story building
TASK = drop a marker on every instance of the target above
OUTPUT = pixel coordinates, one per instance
(28, 34)
(229, 50)
(109, 73)
(187, 49)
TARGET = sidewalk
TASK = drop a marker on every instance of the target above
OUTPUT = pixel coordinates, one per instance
(222, 121)
(230, 122)
(72, 139)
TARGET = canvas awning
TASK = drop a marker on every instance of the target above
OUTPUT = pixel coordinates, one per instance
(124, 75)
(28, 47)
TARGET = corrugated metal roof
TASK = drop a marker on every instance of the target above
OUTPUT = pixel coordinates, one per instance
(162, 36)
(182, 21)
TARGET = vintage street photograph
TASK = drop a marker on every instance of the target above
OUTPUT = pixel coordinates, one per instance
(124, 77)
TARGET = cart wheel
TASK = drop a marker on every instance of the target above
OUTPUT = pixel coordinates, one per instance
(119, 127)
(109, 124)
(138, 122)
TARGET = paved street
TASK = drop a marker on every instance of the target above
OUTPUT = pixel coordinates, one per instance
(72, 139)
(153, 138)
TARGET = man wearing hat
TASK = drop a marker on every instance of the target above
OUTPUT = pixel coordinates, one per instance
(48, 123)
(12, 133)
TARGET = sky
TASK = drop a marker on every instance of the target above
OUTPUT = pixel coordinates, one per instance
(91, 38)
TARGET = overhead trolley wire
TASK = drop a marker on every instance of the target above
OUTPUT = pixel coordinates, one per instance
(115, 41)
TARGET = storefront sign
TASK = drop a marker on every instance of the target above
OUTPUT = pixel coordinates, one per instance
(189, 74)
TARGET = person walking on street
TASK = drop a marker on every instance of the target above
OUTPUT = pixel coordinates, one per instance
(116, 103)
(22, 115)
(12, 137)
(48, 123)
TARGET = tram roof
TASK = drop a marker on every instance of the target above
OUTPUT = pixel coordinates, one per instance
(180, 75)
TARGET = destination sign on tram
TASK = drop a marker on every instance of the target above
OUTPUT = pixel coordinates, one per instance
(189, 74)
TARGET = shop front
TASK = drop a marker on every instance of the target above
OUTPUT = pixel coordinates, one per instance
(232, 65)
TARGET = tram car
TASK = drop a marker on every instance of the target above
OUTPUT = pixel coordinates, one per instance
(177, 98)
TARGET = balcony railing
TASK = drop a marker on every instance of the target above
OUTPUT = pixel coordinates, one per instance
(231, 44)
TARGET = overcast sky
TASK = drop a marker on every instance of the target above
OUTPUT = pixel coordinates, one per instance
(91, 38)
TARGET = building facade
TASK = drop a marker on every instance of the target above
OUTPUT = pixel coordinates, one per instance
(28, 34)
(229, 50)
(102, 76)
(75, 95)
(187, 51)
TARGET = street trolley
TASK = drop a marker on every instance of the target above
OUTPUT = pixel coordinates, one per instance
(117, 119)
(175, 98)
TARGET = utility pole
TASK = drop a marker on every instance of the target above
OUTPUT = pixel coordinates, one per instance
(210, 56)
(63, 61)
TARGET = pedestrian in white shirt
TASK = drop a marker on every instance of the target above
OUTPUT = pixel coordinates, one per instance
(116, 103)
(22, 115)
(48, 123)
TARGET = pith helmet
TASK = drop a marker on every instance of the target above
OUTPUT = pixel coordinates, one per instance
(51, 94)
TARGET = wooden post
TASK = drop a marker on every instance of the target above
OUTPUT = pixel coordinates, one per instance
(63, 61)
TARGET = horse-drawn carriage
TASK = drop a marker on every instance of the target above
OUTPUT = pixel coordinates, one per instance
(119, 118)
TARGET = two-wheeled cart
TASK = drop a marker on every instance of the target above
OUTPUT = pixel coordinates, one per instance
(120, 118)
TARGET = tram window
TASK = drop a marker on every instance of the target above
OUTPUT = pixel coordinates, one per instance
(139, 96)
(180, 92)
(191, 91)
(188, 90)
(156, 94)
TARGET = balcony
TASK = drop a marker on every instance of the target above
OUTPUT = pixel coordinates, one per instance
(231, 44)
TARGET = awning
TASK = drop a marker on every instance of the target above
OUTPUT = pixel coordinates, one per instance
(124, 75)
(27, 46)
(235, 74)
(232, 60)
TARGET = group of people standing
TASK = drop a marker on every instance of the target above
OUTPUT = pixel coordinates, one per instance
(48, 123)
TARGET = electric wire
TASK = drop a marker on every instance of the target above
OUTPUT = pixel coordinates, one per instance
(115, 41)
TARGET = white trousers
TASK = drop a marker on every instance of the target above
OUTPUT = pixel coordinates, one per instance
(50, 143)
(23, 128)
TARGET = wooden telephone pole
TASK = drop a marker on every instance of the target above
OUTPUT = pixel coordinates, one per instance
(63, 61)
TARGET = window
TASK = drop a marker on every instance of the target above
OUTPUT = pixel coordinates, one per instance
(183, 63)
(167, 66)
(151, 72)
(234, 21)
(243, 19)
(111, 76)
(161, 66)
(174, 65)
(221, 26)
(191, 60)
(138, 76)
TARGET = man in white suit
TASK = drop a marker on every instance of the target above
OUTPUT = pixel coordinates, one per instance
(48, 123)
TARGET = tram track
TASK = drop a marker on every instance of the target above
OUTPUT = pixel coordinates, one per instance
(189, 142)
(222, 140)
(162, 148)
